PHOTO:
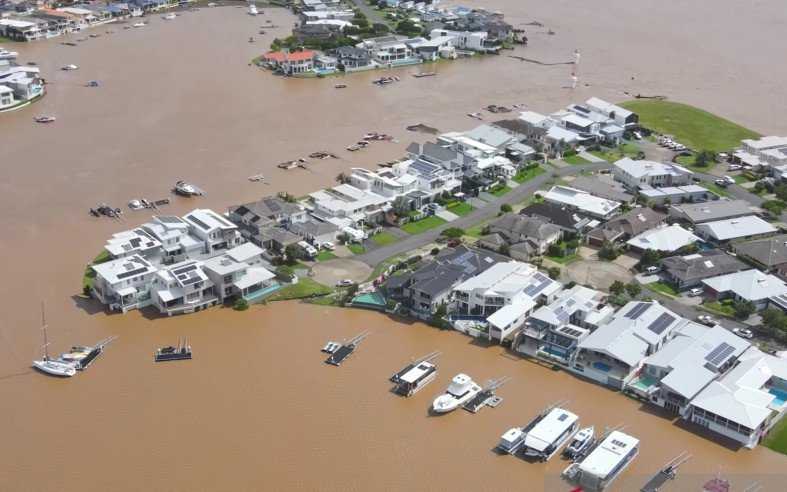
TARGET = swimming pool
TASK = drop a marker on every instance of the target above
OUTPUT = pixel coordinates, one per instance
(372, 300)
(781, 396)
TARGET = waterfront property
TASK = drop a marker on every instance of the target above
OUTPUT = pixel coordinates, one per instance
(613, 354)
(19, 85)
(765, 153)
(502, 297)
(641, 174)
(761, 289)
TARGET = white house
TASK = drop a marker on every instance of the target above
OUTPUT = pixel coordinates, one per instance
(748, 285)
(667, 238)
(746, 227)
(503, 296)
(582, 201)
(765, 152)
(213, 229)
(124, 284)
(636, 174)
(347, 201)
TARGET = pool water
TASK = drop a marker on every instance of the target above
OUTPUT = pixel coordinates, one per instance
(370, 299)
(781, 396)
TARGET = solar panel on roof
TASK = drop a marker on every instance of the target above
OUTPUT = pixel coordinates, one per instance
(561, 314)
(131, 273)
(637, 310)
(570, 302)
(720, 354)
(192, 280)
(185, 269)
(562, 417)
(169, 219)
(540, 283)
(661, 323)
(424, 167)
(198, 222)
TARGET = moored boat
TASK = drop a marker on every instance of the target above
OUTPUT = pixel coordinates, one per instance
(581, 442)
(44, 119)
(138, 24)
(605, 463)
(415, 376)
(69, 67)
(549, 433)
(186, 189)
(169, 16)
(168, 353)
(46, 365)
(461, 389)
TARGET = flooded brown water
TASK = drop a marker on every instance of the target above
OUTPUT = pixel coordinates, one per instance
(257, 409)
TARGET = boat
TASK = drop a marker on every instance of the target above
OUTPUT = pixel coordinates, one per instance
(8, 55)
(93, 83)
(44, 119)
(46, 364)
(604, 463)
(544, 439)
(346, 349)
(253, 9)
(168, 353)
(186, 189)
(666, 473)
(138, 24)
(340, 86)
(415, 375)
(461, 389)
(170, 16)
(581, 442)
(136, 204)
(424, 74)
(331, 347)
(93, 35)
(69, 67)
(82, 356)
(353, 148)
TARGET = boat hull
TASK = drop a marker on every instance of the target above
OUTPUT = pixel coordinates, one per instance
(54, 369)
(446, 403)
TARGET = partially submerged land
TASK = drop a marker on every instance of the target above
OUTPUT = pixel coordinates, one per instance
(613, 333)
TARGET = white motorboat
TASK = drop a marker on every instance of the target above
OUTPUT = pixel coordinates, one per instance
(70, 67)
(8, 55)
(461, 390)
(331, 347)
(169, 16)
(548, 432)
(511, 440)
(49, 366)
(583, 439)
(44, 119)
(253, 9)
(186, 189)
(138, 24)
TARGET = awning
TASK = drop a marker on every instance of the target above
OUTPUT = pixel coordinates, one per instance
(254, 276)
(127, 291)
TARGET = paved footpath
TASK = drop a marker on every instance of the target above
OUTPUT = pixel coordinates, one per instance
(489, 210)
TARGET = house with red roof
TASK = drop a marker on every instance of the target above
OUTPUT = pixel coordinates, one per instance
(291, 62)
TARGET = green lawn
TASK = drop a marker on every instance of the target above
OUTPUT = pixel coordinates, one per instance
(576, 160)
(614, 154)
(325, 255)
(528, 174)
(777, 437)
(460, 208)
(688, 161)
(90, 275)
(384, 238)
(715, 188)
(693, 127)
(476, 231)
(305, 287)
(563, 260)
(663, 288)
(356, 248)
(723, 308)
(499, 190)
(423, 225)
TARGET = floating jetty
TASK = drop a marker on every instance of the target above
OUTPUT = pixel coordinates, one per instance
(181, 352)
(83, 357)
(666, 473)
(415, 375)
(346, 349)
(486, 397)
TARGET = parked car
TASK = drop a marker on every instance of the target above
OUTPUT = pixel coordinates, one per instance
(743, 333)
(706, 319)
(310, 251)
(734, 167)
(344, 283)
(722, 183)
(328, 245)
(695, 292)
(652, 269)
(729, 180)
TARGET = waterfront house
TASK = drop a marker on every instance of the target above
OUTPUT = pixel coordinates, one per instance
(22, 30)
(19, 85)
(620, 116)
(502, 297)
(746, 402)
(746, 227)
(350, 58)
(697, 213)
(665, 239)
(697, 355)
(315, 231)
(626, 226)
(582, 201)
(347, 201)
(291, 62)
(424, 290)
(761, 289)
(390, 50)
(239, 273)
(163, 240)
(465, 40)
(638, 174)
(524, 236)
(688, 272)
(268, 212)
(214, 230)
(763, 153)
(768, 253)
(565, 218)
(613, 354)
(182, 288)
(123, 284)
(553, 332)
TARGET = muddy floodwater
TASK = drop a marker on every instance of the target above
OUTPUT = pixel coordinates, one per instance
(257, 409)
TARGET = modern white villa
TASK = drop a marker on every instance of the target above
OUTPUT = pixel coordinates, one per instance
(19, 85)
(641, 174)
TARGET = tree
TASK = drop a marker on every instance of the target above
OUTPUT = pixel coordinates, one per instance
(342, 178)
(704, 158)
(401, 206)
(649, 258)
(617, 287)
(438, 317)
(285, 273)
(453, 232)
(506, 208)
(504, 249)
(555, 250)
(633, 289)
(743, 309)
(408, 28)
(774, 319)
(434, 251)
(608, 251)
(241, 304)
(776, 207)
(293, 252)
(554, 272)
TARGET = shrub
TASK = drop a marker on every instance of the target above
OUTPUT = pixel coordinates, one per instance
(776, 207)
(554, 273)
(743, 309)
(453, 232)
(504, 249)
(633, 289)
(608, 251)
(506, 208)
(241, 304)
(285, 273)
(617, 287)
(434, 251)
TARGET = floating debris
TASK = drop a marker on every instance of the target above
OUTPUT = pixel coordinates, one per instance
(421, 128)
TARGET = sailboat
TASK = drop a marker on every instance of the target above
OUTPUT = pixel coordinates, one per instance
(47, 365)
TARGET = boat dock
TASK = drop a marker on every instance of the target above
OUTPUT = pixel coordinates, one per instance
(486, 397)
(666, 473)
(346, 349)
(91, 356)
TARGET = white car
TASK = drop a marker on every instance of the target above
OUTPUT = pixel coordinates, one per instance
(652, 269)
(734, 167)
(344, 283)
(695, 292)
(706, 319)
(743, 333)
(328, 245)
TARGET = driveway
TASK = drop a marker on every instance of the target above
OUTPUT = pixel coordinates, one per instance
(331, 271)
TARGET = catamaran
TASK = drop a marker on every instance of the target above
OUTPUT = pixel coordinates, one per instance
(47, 365)
(461, 390)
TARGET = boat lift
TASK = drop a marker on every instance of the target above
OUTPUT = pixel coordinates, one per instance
(346, 349)
(487, 395)
(666, 473)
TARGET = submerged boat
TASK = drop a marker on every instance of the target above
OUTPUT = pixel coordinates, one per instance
(186, 189)
(424, 74)
(93, 83)
(415, 376)
(581, 442)
(340, 86)
(345, 350)
(46, 365)
(605, 463)
(44, 119)
(168, 353)
(461, 389)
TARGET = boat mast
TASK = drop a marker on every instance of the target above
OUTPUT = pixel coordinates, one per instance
(43, 327)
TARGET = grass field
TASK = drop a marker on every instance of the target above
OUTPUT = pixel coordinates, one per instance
(325, 255)
(563, 260)
(715, 188)
(777, 437)
(499, 190)
(356, 249)
(723, 308)
(528, 174)
(663, 288)
(383, 238)
(476, 231)
(627, 149)
(305, 287)
(460, 208)
(693, 127)
(576, 160)
(423, 225)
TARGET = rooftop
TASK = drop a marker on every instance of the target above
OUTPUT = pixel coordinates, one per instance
(768, 251)
(581, 200)
(715, 210)
(752, 285)
(746, 226)
(642, 168)
(667, 238)
(703, 265)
